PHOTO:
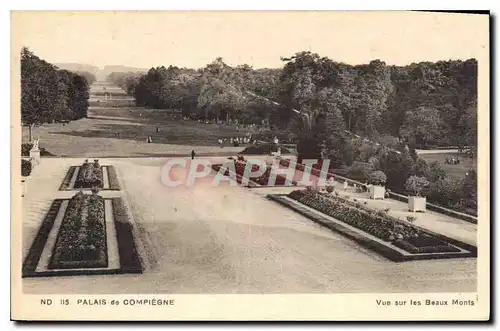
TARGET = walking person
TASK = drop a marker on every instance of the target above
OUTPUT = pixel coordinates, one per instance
(193, 154)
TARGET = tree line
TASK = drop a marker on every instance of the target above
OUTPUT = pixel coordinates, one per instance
(49, 94)
(424, 104)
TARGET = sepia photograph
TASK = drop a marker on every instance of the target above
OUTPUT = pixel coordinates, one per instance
(161, 158)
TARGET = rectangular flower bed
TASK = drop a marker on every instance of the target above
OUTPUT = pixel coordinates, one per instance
(393, 238)
(262, 180)
(81, 241)
(85, 235)
(90, 175)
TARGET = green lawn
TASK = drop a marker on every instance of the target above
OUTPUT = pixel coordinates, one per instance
(120, 132)
(455, 171)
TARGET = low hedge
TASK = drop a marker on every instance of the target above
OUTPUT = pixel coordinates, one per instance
(114, 184)
(129, 257)
(379, 225)
(35, 252)
(26, 148)
(26, 168)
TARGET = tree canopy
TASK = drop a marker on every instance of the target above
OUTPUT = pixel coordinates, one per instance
(49, 94)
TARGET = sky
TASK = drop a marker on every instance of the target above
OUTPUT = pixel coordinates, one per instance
(193, 39)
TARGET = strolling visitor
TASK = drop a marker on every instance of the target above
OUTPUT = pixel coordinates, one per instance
(192, 154)
(345, 185)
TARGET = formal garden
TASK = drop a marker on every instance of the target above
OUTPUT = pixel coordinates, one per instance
(381, 199)
(397, 239)
(86, 233)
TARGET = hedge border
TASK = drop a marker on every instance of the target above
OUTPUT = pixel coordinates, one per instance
(36, 249)
(67, 179)
(130, 262)
(114, 184)
(385, 251)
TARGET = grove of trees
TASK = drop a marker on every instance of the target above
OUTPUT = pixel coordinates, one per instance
(49, 94)
(328, 108)
(424, 104)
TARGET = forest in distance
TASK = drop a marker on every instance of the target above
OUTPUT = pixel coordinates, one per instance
(424, 104)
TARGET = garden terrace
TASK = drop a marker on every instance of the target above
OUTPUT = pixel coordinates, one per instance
(193, 240)
(395, 239)
(90, 175)
(84, 235)
(316, 171)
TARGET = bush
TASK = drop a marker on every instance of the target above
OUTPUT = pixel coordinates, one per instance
(374, 161)
(26, 168)
(329, 189)
(435, 172)
(377, 178)
(26, 148)
(360, 171)
(416, 185)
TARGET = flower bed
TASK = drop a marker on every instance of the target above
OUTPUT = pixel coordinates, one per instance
(384, 227)
(262, 180)
(81, 241)
(89, 176)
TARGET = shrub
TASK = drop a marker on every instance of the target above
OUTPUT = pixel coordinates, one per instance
(416, 185)
(435, 172)
(374, 161)
(329, 189)
(419, 168)
(26, 168)
(397, 168)
(377, 178)
(26, 148)
(360, 170)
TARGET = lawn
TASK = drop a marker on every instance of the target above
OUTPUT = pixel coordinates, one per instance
(455, 171)
(120, 132)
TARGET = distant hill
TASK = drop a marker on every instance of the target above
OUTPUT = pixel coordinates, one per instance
(78, 67)
(103, 73)
(100, 73)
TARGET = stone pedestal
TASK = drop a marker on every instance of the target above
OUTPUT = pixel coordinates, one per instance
(377, 192)
(417, 204)
(35, 156)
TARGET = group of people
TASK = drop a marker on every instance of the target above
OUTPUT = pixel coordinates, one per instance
(236, 141)
(452, 160)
